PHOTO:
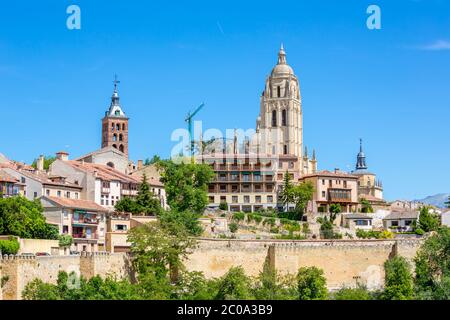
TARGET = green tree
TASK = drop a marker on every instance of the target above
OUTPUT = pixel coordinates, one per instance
(187, 219)
(9, 246)
(269, 285)
(301, 195)
(366, 207)
(154, 160)
(223, 206)
(335, 209)
(432, 279)
(427, 220)
(447, 203)
(127, 204)
(65, 240)
(48, 160)
(23, 218)
(286, 191)
(158, 249)
(311, 284)
(234, 285)
(146, 203)
(146, 200)
(358, 293)
(233, 227)
(398, 280)
(186, 185)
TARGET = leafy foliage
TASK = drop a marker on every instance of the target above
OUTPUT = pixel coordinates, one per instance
(432, 280)
(186, 185)
(233, 227)
(223, 206)
(48, 160)
(366, 207)
(234, 285)
(398, 280)
(23, 218)
(373, 234)
(9, 246)
(358, 293)
(427, 220)
(65, 240)
(145, 203)
(311, 284)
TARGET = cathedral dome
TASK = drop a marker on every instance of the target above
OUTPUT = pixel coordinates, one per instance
(282, 68)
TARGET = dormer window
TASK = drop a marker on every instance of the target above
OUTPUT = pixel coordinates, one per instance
(117, 113)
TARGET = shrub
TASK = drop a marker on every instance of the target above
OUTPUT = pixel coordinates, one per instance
(269, 221)
(398, 280)
(10, 246)
(233, 227)
(419, 232)
(290, 215)
(311, 284)
(223, 206)
(65, 240)
(274, 230)
(257, 218)
(358, 293)
(239, 216)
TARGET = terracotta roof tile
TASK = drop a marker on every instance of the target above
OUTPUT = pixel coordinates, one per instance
(76, 204)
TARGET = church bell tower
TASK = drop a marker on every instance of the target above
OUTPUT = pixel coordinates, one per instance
(115, 124)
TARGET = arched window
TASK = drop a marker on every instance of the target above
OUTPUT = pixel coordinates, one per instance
(114, 146)
(112, 126)
(120, 137)
(285, 150)
(283, 118)
(118, 126)
(117, 113)
(123, 126)
(121, 148)
(274, 118)
(278, 92)
(114, 137)
(110, 164)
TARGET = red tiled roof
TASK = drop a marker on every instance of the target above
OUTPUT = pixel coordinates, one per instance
(76, 204)
(45, 179)
(103, 172)
(326, 173)
(5, 177)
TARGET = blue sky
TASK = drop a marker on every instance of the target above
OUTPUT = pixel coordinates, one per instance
(390, 86)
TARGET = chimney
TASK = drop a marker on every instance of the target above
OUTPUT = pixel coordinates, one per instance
(62, 155)
(337, 170)
(40, 163)
(140, 164)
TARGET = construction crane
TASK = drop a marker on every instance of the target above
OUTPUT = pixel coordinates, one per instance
(188, 119)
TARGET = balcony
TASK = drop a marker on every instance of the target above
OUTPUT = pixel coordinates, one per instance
(84, 236)
(106, 190)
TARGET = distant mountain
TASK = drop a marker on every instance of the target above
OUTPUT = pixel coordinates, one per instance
(437, 200)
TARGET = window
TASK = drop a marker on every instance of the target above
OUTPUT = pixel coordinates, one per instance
(246, 199)
(65, 230)
(258, 199)
(66, 213)
(76, 195)
(114, 137)
(121, 227)
(68, 194)
(285, 151)
(58, 193)
(408, 222)
(283, 118)
(345, 184)
(123, 126)
(274, 118)
(291, 165)
(234, 199)
(323, 194)
(120, 137)
(394, 223)
(323, 182)
(22, 179)
(270, 199)
(362, 222)
(102, 200)
(47, 192)
(118, 127)
(278, 92)
(121, 148)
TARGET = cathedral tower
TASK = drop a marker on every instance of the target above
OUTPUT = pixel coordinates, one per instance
(280, 118)
(115, 125)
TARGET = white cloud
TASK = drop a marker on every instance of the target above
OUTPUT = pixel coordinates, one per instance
(438, 45)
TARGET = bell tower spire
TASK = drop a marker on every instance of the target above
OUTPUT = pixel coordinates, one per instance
(115, 124)
(361, 158)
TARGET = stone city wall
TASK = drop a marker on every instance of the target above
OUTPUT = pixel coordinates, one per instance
(344, 262)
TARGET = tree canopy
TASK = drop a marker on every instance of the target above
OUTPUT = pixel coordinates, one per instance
(23, 218)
